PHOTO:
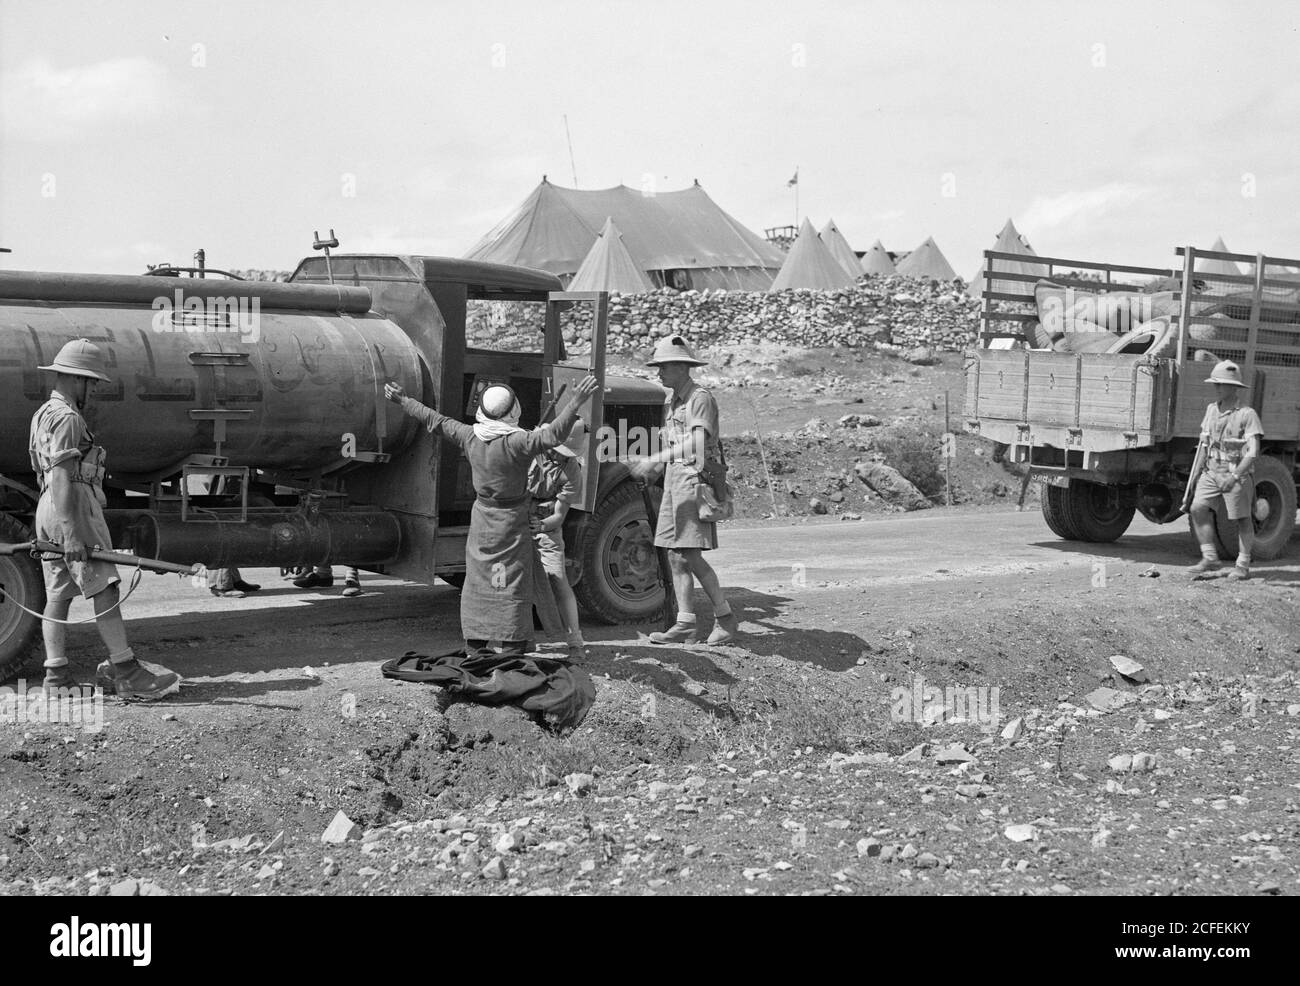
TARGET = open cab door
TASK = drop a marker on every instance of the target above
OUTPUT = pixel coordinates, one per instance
(582, 317)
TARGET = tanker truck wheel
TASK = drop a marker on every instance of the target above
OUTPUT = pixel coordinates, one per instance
(1056, 512)
(620, 573)
(20, 580)
(1097, 512)
(1274, 514)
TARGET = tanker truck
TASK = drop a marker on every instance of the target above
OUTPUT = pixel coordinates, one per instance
(246, 423)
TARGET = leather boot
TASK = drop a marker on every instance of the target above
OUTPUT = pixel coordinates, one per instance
(678, 633)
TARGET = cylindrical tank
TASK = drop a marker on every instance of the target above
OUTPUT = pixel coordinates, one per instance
(293, 374)
(266, 538)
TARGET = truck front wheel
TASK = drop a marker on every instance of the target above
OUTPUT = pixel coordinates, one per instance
(1274, 513)
(21, 581)
(1098, 512)
(620, 573)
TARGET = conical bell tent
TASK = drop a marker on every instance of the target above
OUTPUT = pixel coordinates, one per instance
(927, 262)
(1218, 266)
(609, 267)
(811, 265)
(1008, 241)
(840, 249)
(877, 260)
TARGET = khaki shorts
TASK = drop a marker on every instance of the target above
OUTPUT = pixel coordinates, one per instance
(1238, 503)
(679, 524)
(67, 580)
(550, 548)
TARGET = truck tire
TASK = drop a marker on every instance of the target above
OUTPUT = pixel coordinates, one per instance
(1275, 498)
(20, 579)
(1156, 339)
(620, 573)
(1098, 512)
(1056, 514)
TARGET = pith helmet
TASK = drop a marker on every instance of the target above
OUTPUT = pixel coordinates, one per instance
(1226, 372)
(673, 349)
(79, 358)
(576, 444)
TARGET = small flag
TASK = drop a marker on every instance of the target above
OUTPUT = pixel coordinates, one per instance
(793, 181)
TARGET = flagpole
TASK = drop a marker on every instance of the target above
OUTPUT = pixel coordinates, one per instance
(796, 198)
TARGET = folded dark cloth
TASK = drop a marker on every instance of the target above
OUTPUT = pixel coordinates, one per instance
(559, 693)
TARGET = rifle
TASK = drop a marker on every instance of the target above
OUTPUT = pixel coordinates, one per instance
(1198, 466)
(115, 557)
(661, 555)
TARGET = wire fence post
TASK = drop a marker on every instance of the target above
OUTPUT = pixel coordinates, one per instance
(950, 450)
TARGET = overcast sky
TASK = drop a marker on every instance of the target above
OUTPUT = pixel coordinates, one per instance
(136, 132)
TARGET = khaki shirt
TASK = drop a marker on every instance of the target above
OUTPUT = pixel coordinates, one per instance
(1226, 434)
(550, 480)
(59, 434)
(683, 413)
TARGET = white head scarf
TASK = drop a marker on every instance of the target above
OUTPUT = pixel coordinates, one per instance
(497, 415)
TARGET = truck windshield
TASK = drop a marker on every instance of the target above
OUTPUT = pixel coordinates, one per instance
(505, 326)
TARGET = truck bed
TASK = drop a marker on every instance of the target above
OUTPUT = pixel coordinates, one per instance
(1088, 401)
(1104, 402)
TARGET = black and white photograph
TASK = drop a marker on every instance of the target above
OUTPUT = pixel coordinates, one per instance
(651, 449)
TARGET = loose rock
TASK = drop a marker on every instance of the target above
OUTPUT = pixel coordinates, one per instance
(579, 784)
(1021, 833)
(341, 829)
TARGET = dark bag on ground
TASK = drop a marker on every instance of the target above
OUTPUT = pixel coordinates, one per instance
(554, 691)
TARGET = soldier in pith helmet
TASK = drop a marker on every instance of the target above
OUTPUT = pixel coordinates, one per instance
(1230, 434)
(691, 444)
(70, 470)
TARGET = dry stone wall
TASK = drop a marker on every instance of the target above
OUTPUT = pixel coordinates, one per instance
(884, 312)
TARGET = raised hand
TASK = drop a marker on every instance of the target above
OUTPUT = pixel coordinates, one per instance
(584, 388)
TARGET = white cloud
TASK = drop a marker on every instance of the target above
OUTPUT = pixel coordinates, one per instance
(134, 256)
(391, 241)
(40, 102)
(1067, 213)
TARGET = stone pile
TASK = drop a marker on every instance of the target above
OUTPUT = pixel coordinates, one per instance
(262, 275)
(891, 311)
(888, 311)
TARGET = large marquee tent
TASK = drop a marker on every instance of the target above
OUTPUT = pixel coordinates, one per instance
(680, 239)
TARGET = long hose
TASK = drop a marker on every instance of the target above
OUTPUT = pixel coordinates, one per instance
(135, 582)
